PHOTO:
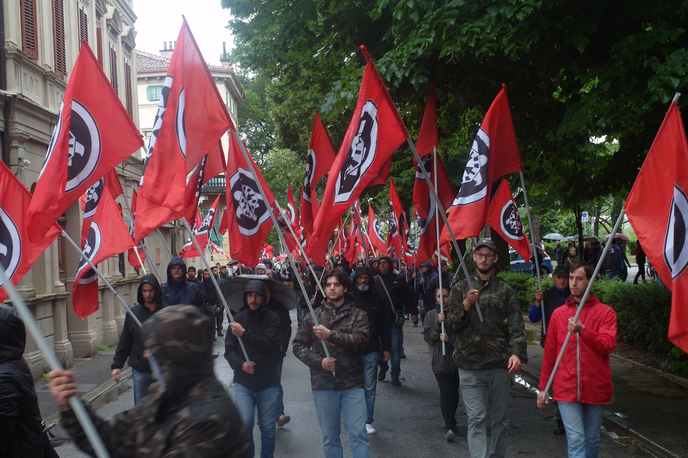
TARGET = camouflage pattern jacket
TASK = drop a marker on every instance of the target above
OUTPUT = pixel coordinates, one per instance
(349, 335)
(490, 344)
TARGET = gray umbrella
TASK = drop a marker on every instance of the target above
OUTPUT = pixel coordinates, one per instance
(233, 290)
(553, 236)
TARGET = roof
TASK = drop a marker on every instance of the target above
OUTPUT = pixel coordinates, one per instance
(148, 61)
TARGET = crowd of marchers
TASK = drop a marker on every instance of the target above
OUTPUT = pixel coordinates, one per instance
(350, 334)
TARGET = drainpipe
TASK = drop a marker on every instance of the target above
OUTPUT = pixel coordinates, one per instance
(5, 137)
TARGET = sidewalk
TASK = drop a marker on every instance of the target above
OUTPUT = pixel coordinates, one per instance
(646, 405)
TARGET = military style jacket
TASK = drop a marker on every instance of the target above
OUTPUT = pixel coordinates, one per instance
(490, 344)
(349, 335)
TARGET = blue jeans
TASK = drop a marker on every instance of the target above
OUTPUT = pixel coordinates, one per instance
(370, 383)
(333, 408)
(266, 400)
(396, 333)
(142, 380)
(583, 423)
(280, 401)
(219, 318)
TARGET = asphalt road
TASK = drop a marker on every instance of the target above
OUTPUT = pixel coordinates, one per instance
(407, 418)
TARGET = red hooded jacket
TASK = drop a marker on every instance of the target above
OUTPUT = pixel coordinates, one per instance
(584, 374)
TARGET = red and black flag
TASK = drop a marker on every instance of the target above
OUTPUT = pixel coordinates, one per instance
(107, 236)
(377, 239)
(202, 228)
(375, 132)
(183, 133)
(93, 134)
(503, 217)
(210, 166)
(131, 255)
(394, 244)
(494, 154)
(657, 208)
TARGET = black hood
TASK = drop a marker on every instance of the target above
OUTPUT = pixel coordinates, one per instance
(150, 280)
(12, 334)
(255, 286)
(363, 271)
(175, 284)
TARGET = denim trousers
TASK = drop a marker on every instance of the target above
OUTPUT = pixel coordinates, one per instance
(266, 401)
(583, 423)
(280, 401)
(347, 406)
(370, 383)
(219, 319)
(396, 333)
(142, 380)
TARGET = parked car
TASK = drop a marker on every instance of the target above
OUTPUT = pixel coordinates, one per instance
(518, 264)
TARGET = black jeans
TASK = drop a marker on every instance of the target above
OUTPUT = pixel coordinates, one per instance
(641, 273)
(449, 398)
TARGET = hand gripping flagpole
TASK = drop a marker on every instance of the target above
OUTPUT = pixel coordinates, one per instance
(581, 305)
(446, 222)
(217, 286)
(536, 255)
(439, 251)
(54, 364)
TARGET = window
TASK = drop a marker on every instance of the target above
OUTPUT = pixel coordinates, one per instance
(153, 93)
(99, 44)
(59, 33)
(113, 68)
(29, 38)
(83, 24)
(127, 89)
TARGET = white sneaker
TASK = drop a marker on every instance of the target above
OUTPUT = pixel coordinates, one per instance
(370, 429)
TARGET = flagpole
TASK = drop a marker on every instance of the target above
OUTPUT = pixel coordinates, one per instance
(100, 275)
(536, 255)
(439, 251)
(582, 303)
(217, 286)
(54, 364)
(132, 222)
(446, 222)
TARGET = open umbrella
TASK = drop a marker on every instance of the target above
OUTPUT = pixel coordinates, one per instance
(233, 290)
(619, 235)
(553, 236)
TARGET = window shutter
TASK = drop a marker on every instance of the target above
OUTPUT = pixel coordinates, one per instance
(29, 38)
(113, 68)
(58, 29)
(128, 89)
(83, 24)
(99, 43)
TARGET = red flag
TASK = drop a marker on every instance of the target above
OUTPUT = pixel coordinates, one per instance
(250, 215)
(17, 253)
(107, 236)
(183, 133)
(318, 162)
(220, 251)
(408, 253)
(113, 184)
(93, 134)
(210, 166)
(375, 132)
(131, 255)
(657, 208)
(503, 217)
(202, 229)
(224, 223)
(394, 245)
(266, 252)
(427, 137)
(291, 207)
(375, 232)
(494, 154)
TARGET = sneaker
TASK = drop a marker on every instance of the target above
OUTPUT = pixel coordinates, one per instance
(395, 381)
(381, 376)
(283, 420)
(219, 334)
(403, 355)
(559, 427)
(450, 436)
(370, 429)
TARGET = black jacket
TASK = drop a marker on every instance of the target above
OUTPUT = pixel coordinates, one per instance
(21, 432)
(285, 324)
(372, 304)
(399, 291)
(447, 277)
(182, 291)
(131, 341)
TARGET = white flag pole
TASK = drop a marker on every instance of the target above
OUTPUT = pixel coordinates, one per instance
(536, 255)
(439, 252)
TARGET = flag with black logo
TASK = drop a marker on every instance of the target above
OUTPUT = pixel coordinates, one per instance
(93, 134)
(394, 243)
(202, 227)
(138, 249)
(375, 132)
(210, 166)
(657, 208)
(183, 133)
(107, 236)
(17, 253)
(375, 232)
(494, 154)
(248, 213)
(503, 217)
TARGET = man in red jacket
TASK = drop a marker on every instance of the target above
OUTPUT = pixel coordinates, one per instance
(583, 382)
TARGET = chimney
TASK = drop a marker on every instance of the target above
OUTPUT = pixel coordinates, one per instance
(224, 58)
(166, 50)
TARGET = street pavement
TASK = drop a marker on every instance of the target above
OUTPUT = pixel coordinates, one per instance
(645, 407)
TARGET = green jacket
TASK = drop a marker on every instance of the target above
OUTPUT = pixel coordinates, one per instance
(490, 344)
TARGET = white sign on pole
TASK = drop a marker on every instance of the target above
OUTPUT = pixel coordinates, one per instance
(584, 217)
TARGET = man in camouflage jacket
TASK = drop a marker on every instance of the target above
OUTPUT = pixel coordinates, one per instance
(486, 353)
(337, 383)
(186, 413)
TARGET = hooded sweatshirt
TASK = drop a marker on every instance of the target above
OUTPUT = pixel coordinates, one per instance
(131, 341)
(21, 432)
(372, 304)
(176, 292)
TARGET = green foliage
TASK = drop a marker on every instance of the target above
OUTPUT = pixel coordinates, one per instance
(525, 286)
(677, 362)
(103, 347)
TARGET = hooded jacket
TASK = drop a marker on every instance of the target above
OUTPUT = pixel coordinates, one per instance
(432, 328)
(262, 341)
(584, 374)
(424, 290)
(399, 291)
(187, 412)
(372, 304)
(176, 292)
(131, 341)
(21, 432)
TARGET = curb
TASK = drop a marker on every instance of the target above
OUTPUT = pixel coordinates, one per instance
(54, 419)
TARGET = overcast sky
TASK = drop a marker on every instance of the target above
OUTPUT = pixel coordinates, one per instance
(160, 20)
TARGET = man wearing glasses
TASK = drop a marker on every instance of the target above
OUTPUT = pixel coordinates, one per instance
(486, 353)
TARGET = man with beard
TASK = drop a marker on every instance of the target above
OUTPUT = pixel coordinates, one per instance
(191, 275)
(256, 382)
(179, 291)
(486, 353)
(367, 300)
(398, 301)
(337, 382)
